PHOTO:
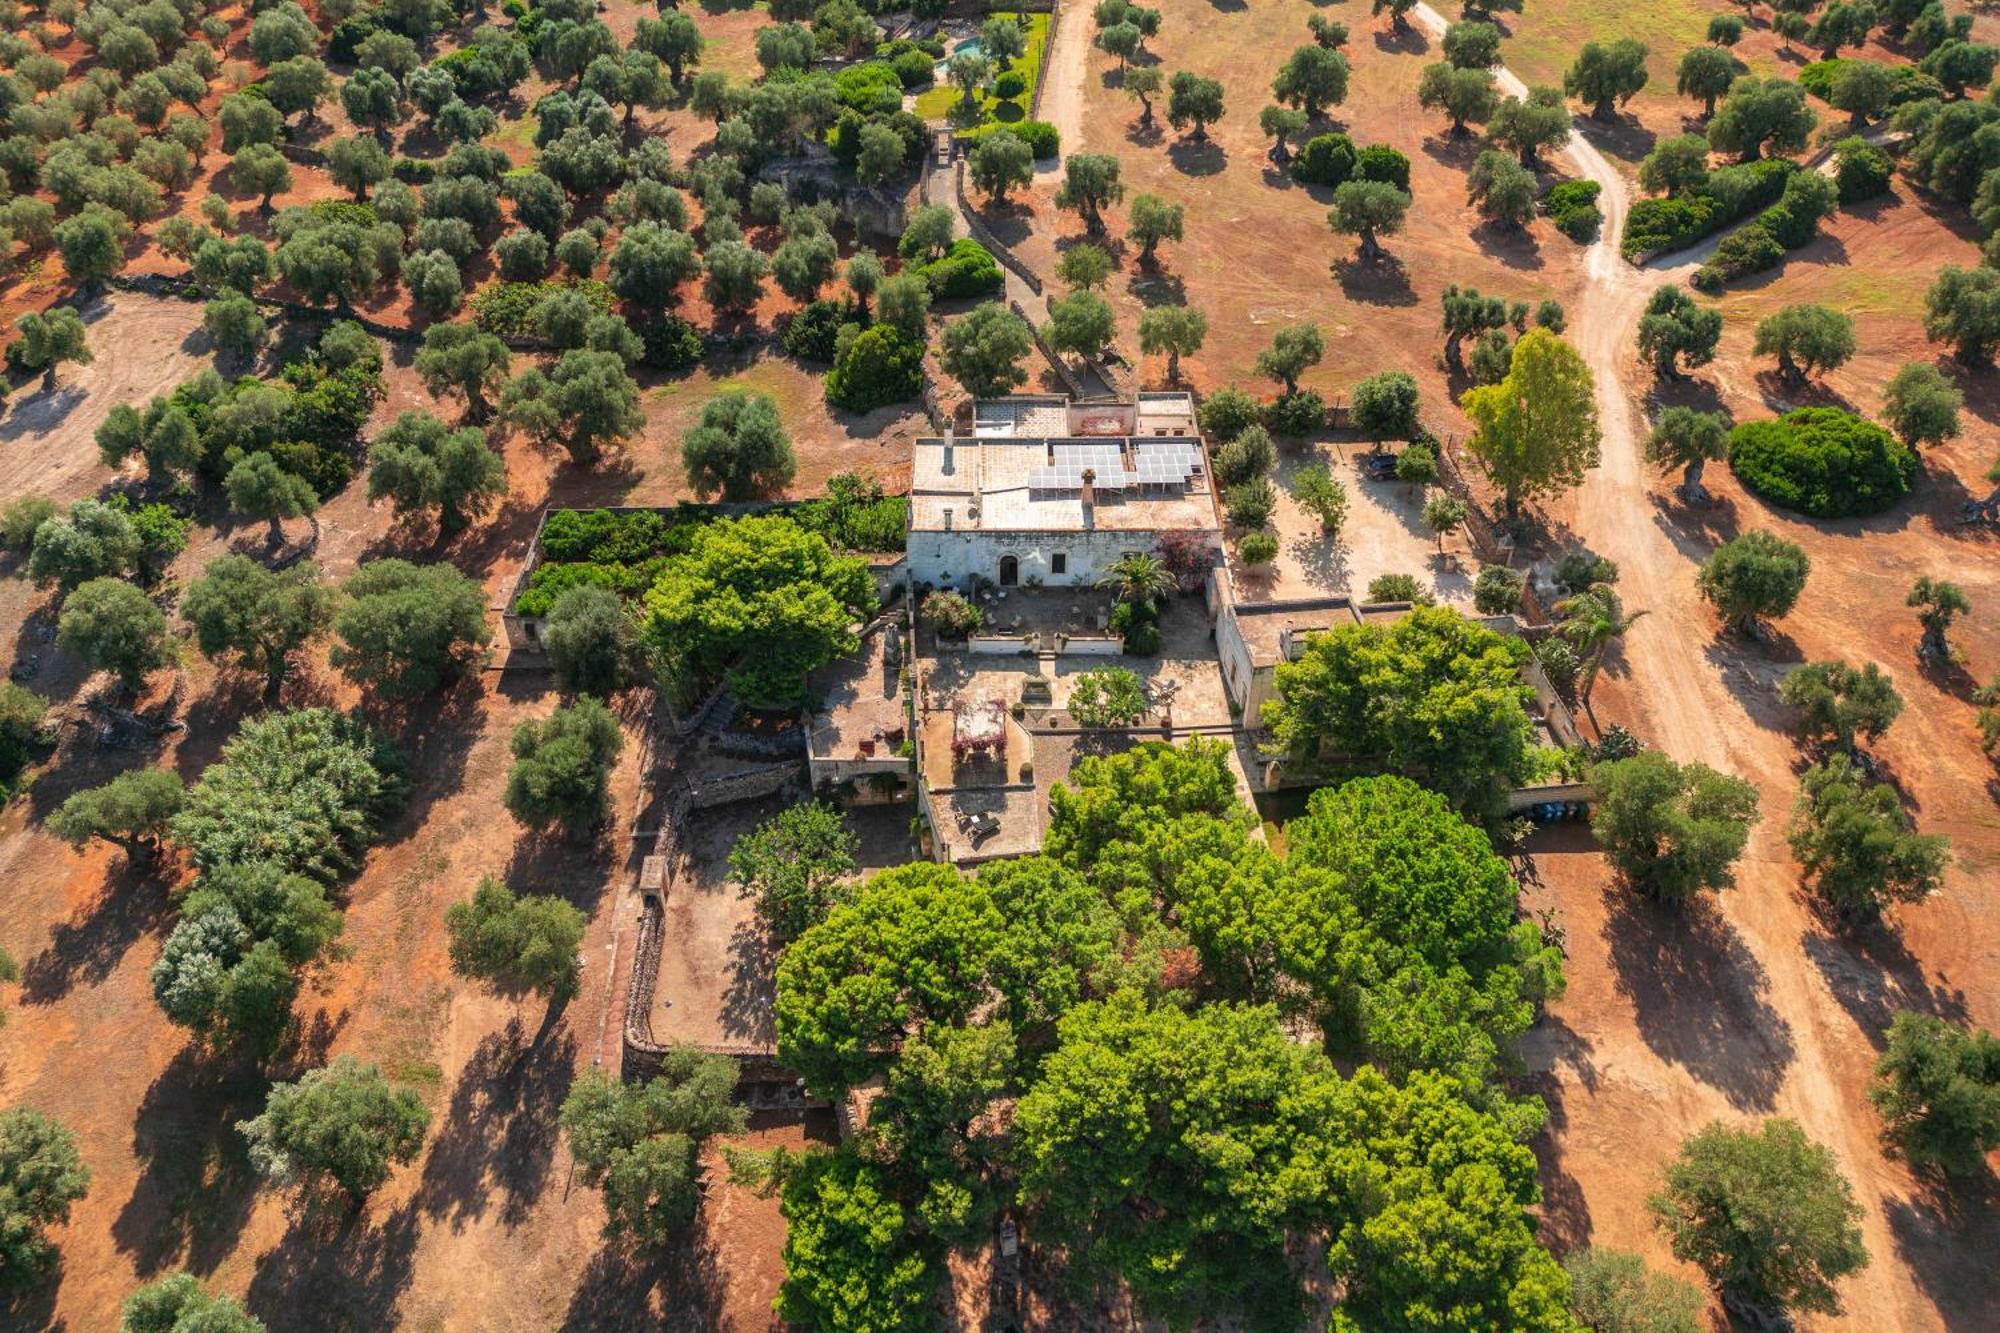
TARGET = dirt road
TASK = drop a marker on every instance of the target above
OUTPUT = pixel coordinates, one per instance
(1063, 71)
(1692, 714)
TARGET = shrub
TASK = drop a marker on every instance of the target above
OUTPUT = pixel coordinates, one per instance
(1380, 162)
(1822, 461)
(1655, 226)
(1580, 571)
(951, 616)
(879, 366)
(1138, 624)
(1249, 504)
(1572, 206)
(21, 519)
(1297, 415)
(966, 271)
(1009, 85)
(1249, 456)
(1750, 249)
(1327, 159)
(1861, 169)
(1227, 413)
(1043, 139)
(1497, 591)
(670, 342)
(1107, 697)
(508, 308)
(812, 333)
(1614, 1292)
(1399, 588)
(1259, 548)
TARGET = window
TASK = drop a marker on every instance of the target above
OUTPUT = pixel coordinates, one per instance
(1010, 571)
(1059, 563)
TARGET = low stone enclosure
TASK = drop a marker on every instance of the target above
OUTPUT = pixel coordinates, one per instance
(763, 1083)
(523, 629)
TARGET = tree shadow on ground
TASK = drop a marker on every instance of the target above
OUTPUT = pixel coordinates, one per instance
(1874, 976)
(1402, 41)
(436, 735)
(1155, 288)
(86, 950)
(1699, 996)
(747, 1013)
(1624, 137)
(1511, 247)
(1947, 1239)
(499, 1133)
(1203, 157)
(1565, 1221)
(1385, 281)
(334, 1271)
(196, 1185)
(34, 1309)
(619, 1286)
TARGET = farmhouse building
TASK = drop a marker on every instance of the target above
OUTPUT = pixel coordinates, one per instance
(1046, 491)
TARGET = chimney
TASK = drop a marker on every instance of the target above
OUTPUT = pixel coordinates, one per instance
(1089, 500)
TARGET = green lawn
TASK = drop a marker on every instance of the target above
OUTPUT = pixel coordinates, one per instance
(937, 102)
(1547, 38)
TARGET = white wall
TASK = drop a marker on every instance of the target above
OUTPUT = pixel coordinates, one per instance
(952, 559)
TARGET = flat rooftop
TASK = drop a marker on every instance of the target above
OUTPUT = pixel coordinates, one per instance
(1263, 624)
(1037, 485)
(862, 700)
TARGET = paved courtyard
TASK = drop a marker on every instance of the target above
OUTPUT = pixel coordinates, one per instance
(1384, 534)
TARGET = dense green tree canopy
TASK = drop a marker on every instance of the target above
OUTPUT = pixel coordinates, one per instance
(641, 1142)
(1673, 829)
(305, 789)
(906, 951)
(179, 1303)
(517, 943)
(41, 1175)
(1434, 695)
(342, 1123)
(405, 630)
(794, 863)
(1937, 1090)
(1766, 1212)
(562, 767)
(760, 599)
(740, 449)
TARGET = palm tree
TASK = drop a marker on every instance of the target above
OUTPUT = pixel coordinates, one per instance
(1592, 621)
(1140, 577)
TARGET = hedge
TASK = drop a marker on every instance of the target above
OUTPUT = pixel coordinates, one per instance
(1911, 83)
(1656, 226)
(967, 270)
(880, 367)
(1042, 138)
(1572, 206)
(507, 309)
(1823, 462)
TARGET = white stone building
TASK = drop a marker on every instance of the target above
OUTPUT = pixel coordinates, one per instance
(1046, 491)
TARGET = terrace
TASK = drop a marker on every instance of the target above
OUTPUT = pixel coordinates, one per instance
(860, 728)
